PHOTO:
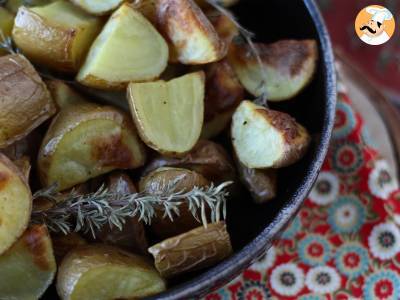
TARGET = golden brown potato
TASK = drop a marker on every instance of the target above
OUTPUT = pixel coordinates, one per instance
(98, 7)
(169, 115)
(264, 138)
(262, 184)
(147, 8)
(14, 5)
(206, 158)
(6, 25)
(224, 26)
(63, 244)
(15, 203)
(289, 66)
(85, 141)
(223, 94)
(132, 237)
(57, 35)
(197, 249)
(28, 267)
(62, 94)
(103, 272)
(157, 181)
(129, 48)
(25, 100)
(24, 165)
(193, 38)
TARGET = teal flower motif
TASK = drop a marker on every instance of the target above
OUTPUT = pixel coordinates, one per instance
(254, 290)
(384, 284)
(347, 157)
(352, 260)
(346, 215)
(314, 250)
(345, 120)
(293, 228)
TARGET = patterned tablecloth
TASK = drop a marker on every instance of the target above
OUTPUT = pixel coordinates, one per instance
(345, 241)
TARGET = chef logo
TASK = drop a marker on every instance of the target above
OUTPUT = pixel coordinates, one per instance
(375, 25)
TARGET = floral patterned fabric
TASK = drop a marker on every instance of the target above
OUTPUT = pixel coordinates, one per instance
(345, 241)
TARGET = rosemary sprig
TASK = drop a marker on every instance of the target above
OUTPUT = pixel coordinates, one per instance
(90, 212)
(247, 36)
(6, 43)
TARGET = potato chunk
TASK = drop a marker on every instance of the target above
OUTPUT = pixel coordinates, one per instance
(103, 272)
(194, 40)
(57, 35)
(264, 138)
(289, 67)
(14, 5)
(157, 181)
(62, 94)
(25, 102)
(28, 267)
(169, 115)
(85, 141)
(128, 49)
(6, 25)
(15, 203)
(197, 249)
(98, 7)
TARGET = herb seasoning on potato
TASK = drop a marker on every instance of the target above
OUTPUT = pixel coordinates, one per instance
(107, 113)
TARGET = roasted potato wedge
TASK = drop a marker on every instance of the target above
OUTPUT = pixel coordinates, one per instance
(159, 180)
(223, 94)
(169, 115)
(289, 66)
(262, 184)
(28, 267)
(24, 165)
(264, 138)
(98, 7)
(131, 236)
(225, 27)
(147, 8)
(193, 250)
(103, 272)
(62, 94)
(62, 244)
(129, 48)
(6, 25)
(206, 158)
(25, 100)
(85, 141)
(193, 38)
(57, 35)
(15, 203)
(14, 5)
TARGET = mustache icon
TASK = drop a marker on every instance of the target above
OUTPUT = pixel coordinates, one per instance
(368, 28)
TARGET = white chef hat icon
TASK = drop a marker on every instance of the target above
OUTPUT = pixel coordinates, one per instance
(379, 14)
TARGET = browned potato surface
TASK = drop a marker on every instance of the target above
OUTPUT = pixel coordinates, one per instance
(85, 141)
(57, 35)
(28, 267)
(289, 66)
(63, 244)
(223, 94)
(193, 250)
(224, 26)
(193, 38)
(207, 158)
(103, 272)
(25, 100)
(265, 138)
(15, 203)
(159, 180)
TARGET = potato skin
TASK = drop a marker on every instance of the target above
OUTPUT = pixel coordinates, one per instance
(206, 158)
(193, 250)
(62, 244)
(157, 181)
(84, 259)
(25, 100)
(6, 25)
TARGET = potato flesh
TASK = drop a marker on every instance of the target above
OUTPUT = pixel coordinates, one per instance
(289, 66)
(128, 49)
(62, 94)
(103, 272)
(57, 35)
(257, 143)
(97, 7)
(14, 5)
(28, 267)
(25, 102)
(169, 115)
